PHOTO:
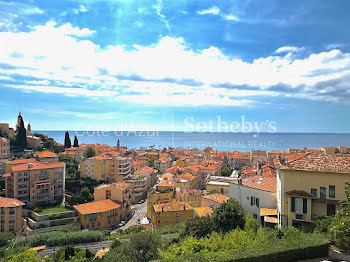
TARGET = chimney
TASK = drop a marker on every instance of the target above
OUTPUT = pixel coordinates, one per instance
(184, 206)
(162, 209)
(240, 181)
(30, 165)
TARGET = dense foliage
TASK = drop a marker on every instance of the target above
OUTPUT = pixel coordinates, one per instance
(58, 238)
(247, 245)
(21, 137)
(228, 216)
(76, 142)
(67, 142)
(90, 152)
(226, 171)
(341, 229)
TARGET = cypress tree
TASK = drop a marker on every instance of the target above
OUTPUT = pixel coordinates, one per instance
(67, 142)
(21, 137)
(76, 143)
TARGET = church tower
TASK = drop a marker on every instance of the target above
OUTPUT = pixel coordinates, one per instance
(29, 129)
(19, 118)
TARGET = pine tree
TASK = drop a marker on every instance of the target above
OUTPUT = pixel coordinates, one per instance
(76, 143)
(67, 142)
(21, 138)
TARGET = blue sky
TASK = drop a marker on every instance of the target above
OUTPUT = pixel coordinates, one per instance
(150, 65)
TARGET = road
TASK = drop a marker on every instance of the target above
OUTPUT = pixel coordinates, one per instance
(140, 212)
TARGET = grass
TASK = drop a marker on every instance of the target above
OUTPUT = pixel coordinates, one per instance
(52, 210)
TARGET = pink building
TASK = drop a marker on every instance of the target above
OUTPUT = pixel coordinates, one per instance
(34, 141)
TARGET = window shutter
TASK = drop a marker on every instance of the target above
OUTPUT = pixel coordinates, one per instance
(251, 201)
(293, 204)
(304, 205)
(257, 202)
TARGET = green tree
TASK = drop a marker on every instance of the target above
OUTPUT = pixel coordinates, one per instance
(67, 142)
(76, 142)
(199, 227)
(90, 152)
(28, 256)
(251, 224)
(228, 216)
(143, 247)
(341, 229)
(21, 137)
(226, 171)
(5, 237)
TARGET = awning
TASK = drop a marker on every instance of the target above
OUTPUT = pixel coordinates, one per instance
(43, 183)
(268, 212)
(273, 220)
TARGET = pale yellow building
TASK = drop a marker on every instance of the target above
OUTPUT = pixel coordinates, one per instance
(99, 215)
(310, 186)
(171, 213)
(119, 192)
(4, 148)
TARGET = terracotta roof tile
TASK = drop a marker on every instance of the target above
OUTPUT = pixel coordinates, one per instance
(318, 163)
(96, 207)
(22, 161)
(171, 207)
(10, 202)
(203, 211)
(219, 198)
(300, 193)
(38, 166)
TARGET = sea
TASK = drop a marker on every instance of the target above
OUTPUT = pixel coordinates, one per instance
(223, 141)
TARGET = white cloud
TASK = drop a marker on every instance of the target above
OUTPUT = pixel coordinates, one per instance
(55, 59)
(231, 18)
(213, 11)
(289, 49)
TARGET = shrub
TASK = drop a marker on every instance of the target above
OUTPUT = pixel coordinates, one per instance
(58, 238)
(5, 237)
(199, 227)
(323, 224)
(228, 216)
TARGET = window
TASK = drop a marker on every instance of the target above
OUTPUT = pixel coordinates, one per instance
(330, 210)
(314, 192)
(299, 205)
(332, 191)
(323, 192)
(254, 201)
(255, 216)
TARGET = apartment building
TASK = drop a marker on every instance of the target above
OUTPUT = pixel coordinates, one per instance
(213, 200)
(171, 213)
(4, 148)
(185, 181)
(119, 192)
(11, 215)
(309, 186)
(141, 185)
(107, 167)
(36, 182)
(99, 215)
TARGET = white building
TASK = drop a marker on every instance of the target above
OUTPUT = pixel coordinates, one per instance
(256, 194)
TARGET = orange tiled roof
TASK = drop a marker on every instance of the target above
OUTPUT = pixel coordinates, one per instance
(22, 161)
(268, 212)
(171, 207)
(45, 154)
(187, 176)
(318, 163)
(10, 202)
(219, 198)
(203, 211)
(166, 183)
(96, 207)
(38, 166)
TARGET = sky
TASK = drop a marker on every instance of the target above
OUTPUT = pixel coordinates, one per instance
(176, 65)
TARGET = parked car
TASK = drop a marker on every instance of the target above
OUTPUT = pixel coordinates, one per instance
(122, 223)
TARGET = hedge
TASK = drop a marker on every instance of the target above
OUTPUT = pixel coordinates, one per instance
(58, 238)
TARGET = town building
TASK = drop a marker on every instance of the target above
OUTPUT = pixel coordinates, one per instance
(11, 215)
(253, 193)
(4, 148)
(171, 213)
(36, 182)
(99, 215)
(119, 192)
(309, 186)
(213, 200)
(218, 187)
(34, 141)
(46, 156)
